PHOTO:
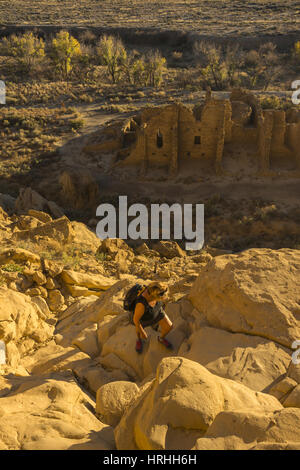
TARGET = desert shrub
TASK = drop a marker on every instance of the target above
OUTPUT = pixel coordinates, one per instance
(64, 50)
(28, 50)
(234, 60)
(271, 102)
(263, 65)
(296, 51)
(212, 66)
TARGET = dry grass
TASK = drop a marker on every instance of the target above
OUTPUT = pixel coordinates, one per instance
(205, 16)
(27, 134)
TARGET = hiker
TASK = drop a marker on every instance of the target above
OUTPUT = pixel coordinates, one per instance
(149, 311)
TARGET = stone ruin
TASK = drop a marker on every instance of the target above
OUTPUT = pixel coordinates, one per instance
(173, 135)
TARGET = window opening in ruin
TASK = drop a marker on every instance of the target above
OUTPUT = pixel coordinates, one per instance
(159, 139)
(197, 140)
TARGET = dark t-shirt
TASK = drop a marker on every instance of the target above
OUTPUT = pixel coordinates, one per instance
(151, 314)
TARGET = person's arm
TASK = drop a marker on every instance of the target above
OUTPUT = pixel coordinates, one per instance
(138, 313)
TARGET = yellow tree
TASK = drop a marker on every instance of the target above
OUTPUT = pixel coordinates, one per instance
(155, 67)
(297, 49)
(113, 54)
(64, 50)
(27, 49)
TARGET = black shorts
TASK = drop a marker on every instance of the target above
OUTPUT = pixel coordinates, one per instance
(153, 321)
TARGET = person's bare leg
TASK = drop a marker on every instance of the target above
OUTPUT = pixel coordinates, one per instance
(166, 326)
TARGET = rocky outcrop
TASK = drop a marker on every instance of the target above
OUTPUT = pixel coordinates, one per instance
(113, 399)
(30, 199)
(53, 414)
(180, 404)
(254, 292)
(245, 430)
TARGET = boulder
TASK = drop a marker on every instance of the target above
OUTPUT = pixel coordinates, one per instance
(52, 268)
(169, 249)
(55, 300)
(112, 400)
(39, 215)
(21, 319)
(254, 292)
(180, 404)
(85, 237)
(252, 429)
(117, 249)
(30, 199)
(19, 256)
(59, 230)
(256, 362)
(49, 414)
(293, 399)
(39, 278)
(90, 281)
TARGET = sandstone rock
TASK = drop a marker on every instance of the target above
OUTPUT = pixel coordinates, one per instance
(59, 230)
(202, 258)
(26, 222)
(30, 199)
(116, 247)
(20, 319)
(44, 292)
(79, 291)
(52, 268)
(87, 341)
(181, 403)
(55, 300)
(34, 291)
(251, 360)
(52, 358)
(113, 362)
(113, 399)
(50, 414)
(282, 388)
(18, 255)
(41, 216)
(169, 249)
(85, 237)
(39, 278)
(42, 305)
(3, 215)
(254, 292)
(294, 372)
(79, 189)
(50, 284)
(91, 281)
(293, 399)
(252, 429)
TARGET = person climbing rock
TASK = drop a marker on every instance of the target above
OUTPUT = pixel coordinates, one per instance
(149, 311)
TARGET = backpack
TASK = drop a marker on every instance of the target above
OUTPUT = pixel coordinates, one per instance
(131, 297)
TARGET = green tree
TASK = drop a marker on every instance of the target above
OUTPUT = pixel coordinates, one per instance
(155, 67)
(65, 49)
(27, 49)
(113, 54)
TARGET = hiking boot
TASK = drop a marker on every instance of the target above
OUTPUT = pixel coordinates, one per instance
(165, 342)
(139, 346)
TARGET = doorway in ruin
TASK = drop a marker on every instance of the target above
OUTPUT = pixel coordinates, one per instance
(159, 139)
